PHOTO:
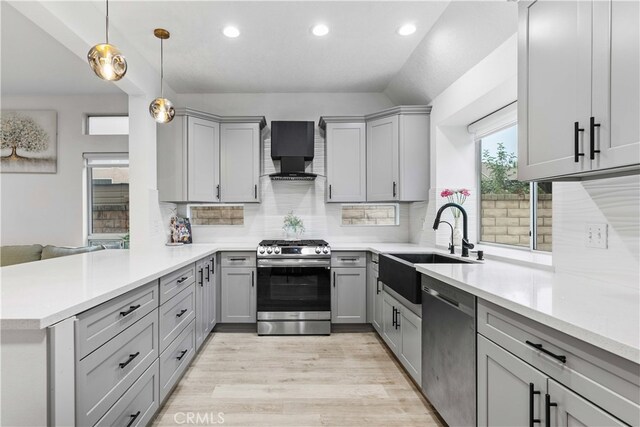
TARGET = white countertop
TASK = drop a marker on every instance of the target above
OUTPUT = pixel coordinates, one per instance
(602, 314)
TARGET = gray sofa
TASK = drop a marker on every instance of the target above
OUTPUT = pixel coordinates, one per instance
(10, 255)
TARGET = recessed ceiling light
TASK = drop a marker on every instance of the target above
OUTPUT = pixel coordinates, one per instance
(407, 30)
(320, 30)
(231, 32)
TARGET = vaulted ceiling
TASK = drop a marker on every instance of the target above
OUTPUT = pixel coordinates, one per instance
(276, 51)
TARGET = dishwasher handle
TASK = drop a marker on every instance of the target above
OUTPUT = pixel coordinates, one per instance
(450, 301)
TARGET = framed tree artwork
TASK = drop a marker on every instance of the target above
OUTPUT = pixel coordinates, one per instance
(28, 141)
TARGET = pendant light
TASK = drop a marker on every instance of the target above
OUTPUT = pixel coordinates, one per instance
(161, 109)
(106, 60)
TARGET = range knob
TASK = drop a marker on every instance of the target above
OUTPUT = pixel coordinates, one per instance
(318, 250)
(276, 250)
(269, 250)
(261, 249)
(325, 250)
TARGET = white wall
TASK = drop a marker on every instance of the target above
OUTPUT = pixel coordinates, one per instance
(306, 199)
(488, 86)
(614, 202)
(49, 208)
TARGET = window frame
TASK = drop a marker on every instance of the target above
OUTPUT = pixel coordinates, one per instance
(87, 124)
(88, 166)
(503, 123)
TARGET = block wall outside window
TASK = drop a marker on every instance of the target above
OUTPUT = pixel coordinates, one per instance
(217, 215)
(383, 214)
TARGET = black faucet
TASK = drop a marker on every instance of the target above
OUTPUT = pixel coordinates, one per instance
(451, 247)
(465, 236)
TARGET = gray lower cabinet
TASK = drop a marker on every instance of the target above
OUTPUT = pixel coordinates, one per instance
(138, 405)
(573, 410)
(402, 331)
(508, 388)
(349, 295)
(210, 294)
(175, 359)
(374, 295)
(175, 315)
(238, 295)
(201, 305)
(104, 375)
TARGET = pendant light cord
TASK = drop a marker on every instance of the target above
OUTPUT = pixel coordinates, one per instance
(161, 67)
(107, 23)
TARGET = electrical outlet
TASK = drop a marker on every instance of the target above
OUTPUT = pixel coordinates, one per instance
(596, 235)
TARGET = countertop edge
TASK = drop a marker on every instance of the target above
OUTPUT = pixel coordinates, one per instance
(615, 347)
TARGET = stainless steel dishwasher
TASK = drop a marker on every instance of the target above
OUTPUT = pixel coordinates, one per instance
(449, 351)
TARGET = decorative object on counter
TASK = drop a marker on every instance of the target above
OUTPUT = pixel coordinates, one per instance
(293, 226)
(458, 196)
(126, 239)
(161, 109)
(180, 230)
(105, 59)
(28, 141)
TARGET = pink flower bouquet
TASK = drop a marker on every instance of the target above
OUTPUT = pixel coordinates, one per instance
(456, 196)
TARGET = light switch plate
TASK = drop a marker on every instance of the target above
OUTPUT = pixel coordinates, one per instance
(596, 234)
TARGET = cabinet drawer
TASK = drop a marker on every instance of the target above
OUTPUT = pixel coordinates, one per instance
(138, 405)
(238, 259)
(174, 282)
(588, 370)
(349, 259)
(98, 325)
(176, 358)
(175, 315)
(104, 375)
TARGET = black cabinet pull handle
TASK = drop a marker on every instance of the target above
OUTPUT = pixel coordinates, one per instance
(131, 357)
(394, 189)
(208, 272)
(132, 308)
(182, 353)
(201, 276)
(547, 410)
(237, 259)
(576, 140)
(334, 279)
(329, 191)
(377, 286)
(397, 318)
(532, 393)
(133, 418)
(212, 265)
(183, 311)
(253, 282)
(182, 279)
(255, 191)
(393, 317)
(218, 191)
(561, 358)
(349, 259)
(592, 136)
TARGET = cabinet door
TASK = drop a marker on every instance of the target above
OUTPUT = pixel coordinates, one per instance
(201, 306)
(211, 294)
(346, 162)
(410, 353)
(378, 303)
(349, 295)
(382, 159)
(616, 83)
(510, 392)
(554, 81)
(203, 151)
(390, 329)
(239, 162)
(238, 295)
(573, 410)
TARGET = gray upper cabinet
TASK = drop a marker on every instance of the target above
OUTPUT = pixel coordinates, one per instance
(349, 295)
(203, 157)
(398, 154)
(507, 388)
(577, 63)
(346, 159)
(240, 162)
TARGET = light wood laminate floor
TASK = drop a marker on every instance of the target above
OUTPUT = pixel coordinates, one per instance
(346, 379)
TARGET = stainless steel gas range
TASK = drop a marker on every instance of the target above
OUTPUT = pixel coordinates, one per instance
(294, 287)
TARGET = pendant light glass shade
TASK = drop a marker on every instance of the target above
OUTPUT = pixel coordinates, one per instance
(161, 109)
(106, 60)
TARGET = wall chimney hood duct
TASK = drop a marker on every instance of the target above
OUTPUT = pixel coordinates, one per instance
(292, 143)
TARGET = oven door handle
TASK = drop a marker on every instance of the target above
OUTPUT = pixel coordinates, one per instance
(264, 263)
